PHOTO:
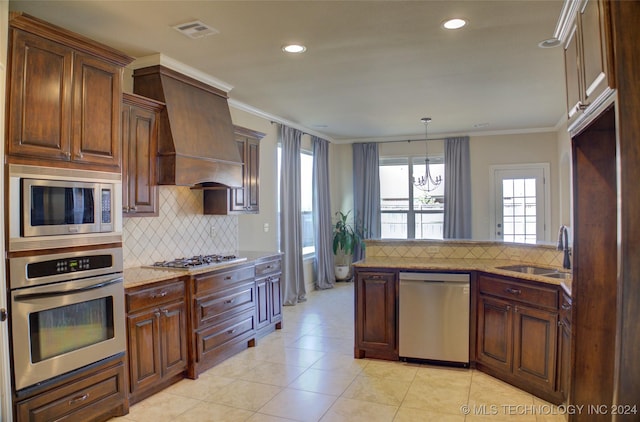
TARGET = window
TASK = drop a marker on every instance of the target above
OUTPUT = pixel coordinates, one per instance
(407, 212)
(306, 202)
(306, 199)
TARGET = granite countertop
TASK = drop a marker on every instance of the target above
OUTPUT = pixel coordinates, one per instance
(466, 264)
(139, 276)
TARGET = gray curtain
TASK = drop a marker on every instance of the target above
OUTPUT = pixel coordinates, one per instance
(323, 236)
(457, 189)
(291, 217)
(366, 192)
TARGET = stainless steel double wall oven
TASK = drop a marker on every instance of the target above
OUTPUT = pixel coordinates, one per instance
(65, 271)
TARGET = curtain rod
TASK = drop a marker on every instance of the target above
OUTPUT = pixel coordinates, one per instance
(402, 140)
(303, 132)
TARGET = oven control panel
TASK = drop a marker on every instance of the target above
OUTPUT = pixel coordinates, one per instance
(68, 265)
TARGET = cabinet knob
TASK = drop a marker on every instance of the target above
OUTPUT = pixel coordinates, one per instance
(66, 154)
(232, 331)
(565, 306)
(79, 156)
(3, 314)
(513, 291)
(229, 301)
(157, 314)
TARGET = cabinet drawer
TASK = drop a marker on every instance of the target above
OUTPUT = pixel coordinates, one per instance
(546, 297)
(221, 280)
(270, 267)
(225, 303)
(155, 296)
(85, 399)
(235, 329)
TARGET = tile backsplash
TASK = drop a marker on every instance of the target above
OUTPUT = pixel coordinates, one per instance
(457, 249)
(180, 230)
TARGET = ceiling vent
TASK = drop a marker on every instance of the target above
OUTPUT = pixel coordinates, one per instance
(195, 29)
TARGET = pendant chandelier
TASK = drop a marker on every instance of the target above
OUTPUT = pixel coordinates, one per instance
(426, 183)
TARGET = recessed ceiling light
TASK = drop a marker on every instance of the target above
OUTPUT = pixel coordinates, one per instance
(455, 23)
(294, 48)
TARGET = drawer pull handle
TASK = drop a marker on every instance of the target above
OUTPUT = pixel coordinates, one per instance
(228, 277)
(269, 267)
(566, 306)
(157, 314)
(78, 399)
(513, 291)
(163, 294)
(232, 331)
(230, 301)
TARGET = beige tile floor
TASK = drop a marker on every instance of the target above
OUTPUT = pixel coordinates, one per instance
(306, 372)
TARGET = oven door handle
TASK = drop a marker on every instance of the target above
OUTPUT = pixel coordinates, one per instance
(45, 295)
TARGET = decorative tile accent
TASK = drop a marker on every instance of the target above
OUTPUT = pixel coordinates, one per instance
(455, 249)
(180, 230)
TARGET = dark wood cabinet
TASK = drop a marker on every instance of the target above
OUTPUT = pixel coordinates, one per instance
(157, 337)
(564, 347)
(139, 147)
(376, 314)
(588, 65)
(94, 393)
(495, 333)
(245, 200)
(223, 315)
(64, 96)
(268, 295)
(517, 333)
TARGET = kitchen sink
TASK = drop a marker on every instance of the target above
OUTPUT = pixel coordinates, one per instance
(530, 269)
(557, 274)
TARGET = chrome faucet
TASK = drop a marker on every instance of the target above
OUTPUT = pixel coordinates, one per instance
(563, 245)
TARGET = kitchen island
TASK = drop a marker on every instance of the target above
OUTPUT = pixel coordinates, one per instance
(519, 320)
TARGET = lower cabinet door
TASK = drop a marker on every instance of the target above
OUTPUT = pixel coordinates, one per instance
(495, 333)
(262, 302)
(376, 315)
(144, 350)
(275, 298)
(173, 326)
(535, 345)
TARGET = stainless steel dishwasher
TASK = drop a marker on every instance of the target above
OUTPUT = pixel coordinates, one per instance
(434, 317)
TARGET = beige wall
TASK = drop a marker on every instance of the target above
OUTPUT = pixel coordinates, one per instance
(485, 151)
(509, 149)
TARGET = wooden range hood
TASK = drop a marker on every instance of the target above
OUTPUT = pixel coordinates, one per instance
(195, 137)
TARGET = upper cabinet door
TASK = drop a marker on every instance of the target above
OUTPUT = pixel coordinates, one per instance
(97, 89)
(40, 93)
(64, 94)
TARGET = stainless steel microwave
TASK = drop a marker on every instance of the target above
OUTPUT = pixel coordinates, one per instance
(55, 207)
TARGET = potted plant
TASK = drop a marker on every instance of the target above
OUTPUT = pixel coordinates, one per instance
(345, 239)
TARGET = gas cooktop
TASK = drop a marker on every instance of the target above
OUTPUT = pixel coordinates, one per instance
(197, 262)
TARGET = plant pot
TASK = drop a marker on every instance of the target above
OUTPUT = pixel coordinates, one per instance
(343, 272)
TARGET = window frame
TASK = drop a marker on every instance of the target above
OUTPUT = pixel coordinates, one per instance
(411, 212)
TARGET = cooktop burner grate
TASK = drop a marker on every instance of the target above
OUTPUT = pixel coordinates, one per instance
(197, 261)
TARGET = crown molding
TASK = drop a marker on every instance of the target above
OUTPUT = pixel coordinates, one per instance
(161, 59)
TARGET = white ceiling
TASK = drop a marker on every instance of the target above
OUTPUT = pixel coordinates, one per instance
(372, 68)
